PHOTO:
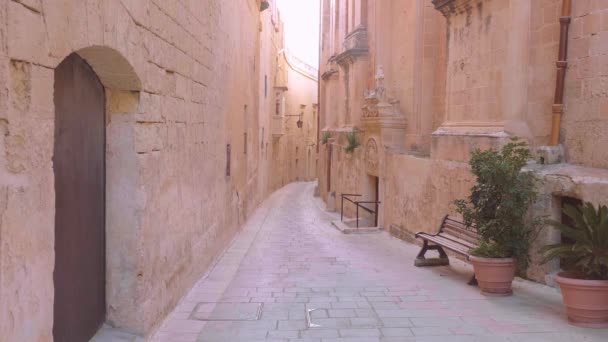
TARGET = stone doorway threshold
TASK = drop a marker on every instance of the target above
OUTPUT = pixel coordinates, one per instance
(349, 227)
(110, 334)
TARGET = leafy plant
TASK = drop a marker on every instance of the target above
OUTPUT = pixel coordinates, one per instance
(325, 138)
(588, 252)
(499, 202)
(353, 142)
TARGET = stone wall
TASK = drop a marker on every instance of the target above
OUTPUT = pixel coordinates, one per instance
(586, 117)
(181, 81)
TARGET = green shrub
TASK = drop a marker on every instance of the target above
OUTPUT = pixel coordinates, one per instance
(499, 202)
(325, 138)
(353, 142)
(587, 254)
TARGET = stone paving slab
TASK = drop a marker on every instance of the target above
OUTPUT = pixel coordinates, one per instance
(288, 260)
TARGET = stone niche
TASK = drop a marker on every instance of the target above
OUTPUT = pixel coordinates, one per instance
(559, 182)
(487, 75)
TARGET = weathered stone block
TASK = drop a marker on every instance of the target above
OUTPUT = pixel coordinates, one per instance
(547, 155)
(150, 137)
(4, 87)
(42, 85)
(27, 38)
(150, 109)
(95, 22)
(57, 28)
(122, 101)
(20, 85)
(3, 27)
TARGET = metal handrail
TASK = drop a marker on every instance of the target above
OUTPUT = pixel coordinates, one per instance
(359, 205)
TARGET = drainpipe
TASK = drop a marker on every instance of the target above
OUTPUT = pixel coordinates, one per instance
(562, 66)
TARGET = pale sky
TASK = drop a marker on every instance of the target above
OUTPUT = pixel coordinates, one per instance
(301, 18)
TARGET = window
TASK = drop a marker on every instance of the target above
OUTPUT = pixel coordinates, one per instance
(228, 160)
(245, 142)
(265, 86)
(245, 134)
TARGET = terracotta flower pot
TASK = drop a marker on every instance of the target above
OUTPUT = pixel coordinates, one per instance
(586, 301)
(494, 275)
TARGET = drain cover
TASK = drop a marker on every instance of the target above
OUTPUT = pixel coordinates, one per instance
(227, 312)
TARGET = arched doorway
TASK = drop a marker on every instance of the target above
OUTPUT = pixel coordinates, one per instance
(79, 167)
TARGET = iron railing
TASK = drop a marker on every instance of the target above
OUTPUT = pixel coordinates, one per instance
(359, 204)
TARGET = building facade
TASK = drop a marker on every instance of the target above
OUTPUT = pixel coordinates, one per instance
(295, 121)
(136, 139)
(423, 83)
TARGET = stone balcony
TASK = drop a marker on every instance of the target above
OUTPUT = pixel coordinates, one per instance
(355, 45)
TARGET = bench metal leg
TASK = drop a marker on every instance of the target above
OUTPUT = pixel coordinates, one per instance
(421, 261)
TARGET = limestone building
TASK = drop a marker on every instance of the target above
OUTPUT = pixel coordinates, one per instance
(294, 121)
(148, 123)
(423, 83)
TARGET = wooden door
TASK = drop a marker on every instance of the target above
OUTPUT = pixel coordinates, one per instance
(79, 166)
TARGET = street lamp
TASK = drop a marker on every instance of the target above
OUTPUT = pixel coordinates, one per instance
(299, 123)
(264, 5)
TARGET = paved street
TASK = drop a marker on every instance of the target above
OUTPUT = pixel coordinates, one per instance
(290, 276)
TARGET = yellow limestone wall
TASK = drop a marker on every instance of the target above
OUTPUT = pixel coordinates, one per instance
(181, 81)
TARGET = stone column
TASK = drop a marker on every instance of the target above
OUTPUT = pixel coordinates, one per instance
(487, 75)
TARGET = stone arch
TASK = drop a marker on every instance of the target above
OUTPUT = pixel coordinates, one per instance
(112, 68)
(123, 88)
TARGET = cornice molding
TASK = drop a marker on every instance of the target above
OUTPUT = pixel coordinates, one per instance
(328, 74)
(349, 56)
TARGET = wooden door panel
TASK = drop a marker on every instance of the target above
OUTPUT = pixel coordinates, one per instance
(79, 166)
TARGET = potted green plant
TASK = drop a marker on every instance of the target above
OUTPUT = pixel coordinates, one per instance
(497, 208)
(584, 281)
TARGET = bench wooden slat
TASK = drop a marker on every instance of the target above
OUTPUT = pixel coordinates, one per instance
(458, 240)
(449, 244)
(459, 234)
(461, 229)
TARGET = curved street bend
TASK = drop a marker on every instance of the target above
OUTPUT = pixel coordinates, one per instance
(289, 262)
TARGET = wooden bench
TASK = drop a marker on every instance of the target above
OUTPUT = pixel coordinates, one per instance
(453, 235)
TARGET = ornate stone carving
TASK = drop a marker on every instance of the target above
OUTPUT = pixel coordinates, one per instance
(377, 104)
(381, 114)
(371, 156)
(370, 108)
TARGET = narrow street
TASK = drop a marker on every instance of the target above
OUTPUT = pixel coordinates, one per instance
(289, 259)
